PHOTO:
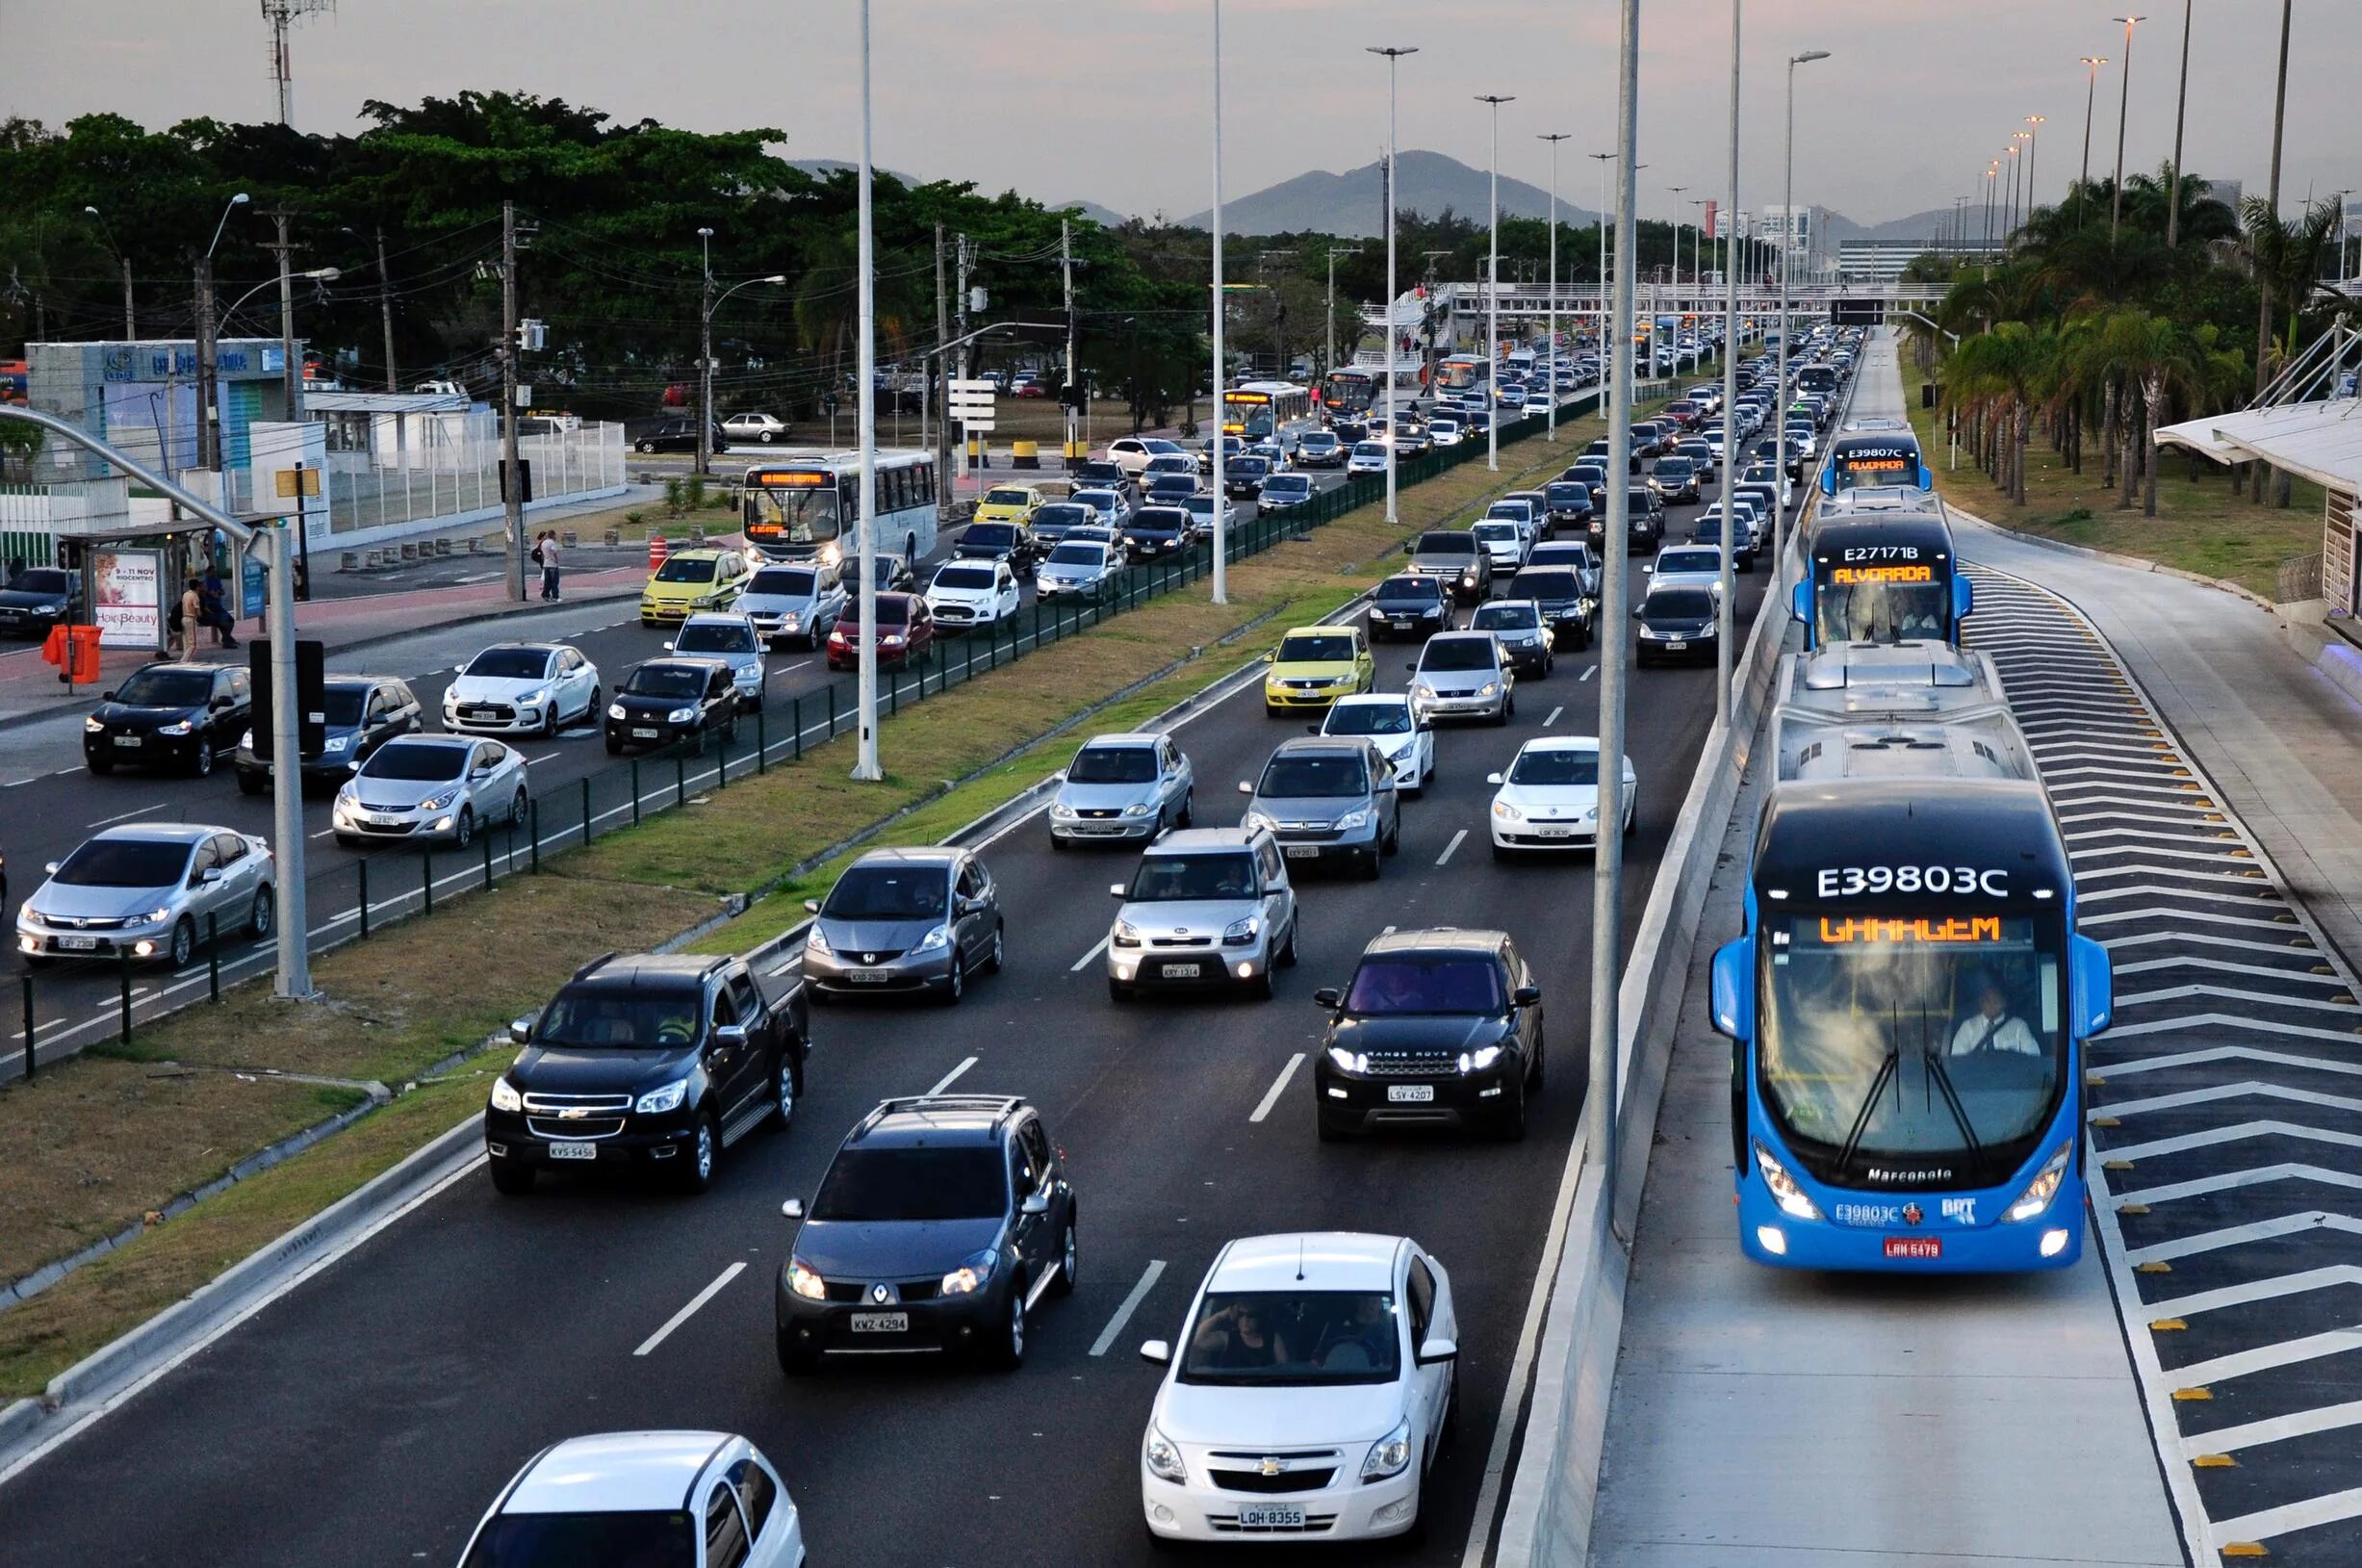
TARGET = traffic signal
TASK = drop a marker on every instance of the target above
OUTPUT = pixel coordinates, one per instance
(1072, 395)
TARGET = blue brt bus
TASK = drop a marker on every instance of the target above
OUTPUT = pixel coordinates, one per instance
(1882, 577)
(1909, 1006)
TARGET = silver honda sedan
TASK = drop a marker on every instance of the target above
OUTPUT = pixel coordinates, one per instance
(1121, 787)
(151, 889)
(432, 787)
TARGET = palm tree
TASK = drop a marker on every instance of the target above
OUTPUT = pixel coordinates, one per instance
(2286, 259)
(2010, 370)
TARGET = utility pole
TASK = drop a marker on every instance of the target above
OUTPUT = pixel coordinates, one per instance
(385, 312)
(943, 378)
(967, 350)
(865, 766)
(2263, 322)
(512, 483)
(1075, 376)
(1393, 57)
(1726, 613)
(1550, 354)
(2181, 114)
(1220, 587)
(1334, 251)
(209, 429)
(2090, 91)
(1608, 361)
(290, 374)
(704, 356)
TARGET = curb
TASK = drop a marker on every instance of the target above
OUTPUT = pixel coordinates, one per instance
(2130, 563)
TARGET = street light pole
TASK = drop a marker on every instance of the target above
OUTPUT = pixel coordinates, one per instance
(1394, 58)
(1551, 343)
(866, 764)
(1492, 297)
(2034, 136)
(1726, 628)
(1607, 361)
(1329, 364)
(705, 358)
(1677, 191)
(2124, 102)
(1222, 308)
(2181, 111)
(2090, 90)
(1788, 254)
(131, 318)
(208, 432)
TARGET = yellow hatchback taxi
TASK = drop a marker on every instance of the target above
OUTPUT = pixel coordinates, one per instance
(1008, 504)
(1315, 665)
(691, 581)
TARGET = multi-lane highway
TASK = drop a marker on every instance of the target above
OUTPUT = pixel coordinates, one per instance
(368, 1415)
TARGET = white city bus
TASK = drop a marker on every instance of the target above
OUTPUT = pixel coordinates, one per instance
(809, 508)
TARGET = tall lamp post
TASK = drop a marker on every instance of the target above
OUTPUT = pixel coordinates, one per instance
(208, 432)
(1334, 251)
(1726, 624)
(865, 764)
(131, 317)
(1551, 342)
(1603, 158)
(713, 307)
(1492, 299)
(2181, 113)
(1787, 257)
(2090, 90)
(1677, 191)
(704, 356)
(1394, 59)
(2034, 134)
(2124, 102)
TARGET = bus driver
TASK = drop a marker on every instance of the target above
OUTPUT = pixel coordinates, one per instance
(1993, 1027)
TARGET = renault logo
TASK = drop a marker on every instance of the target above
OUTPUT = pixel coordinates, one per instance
(878, 1294)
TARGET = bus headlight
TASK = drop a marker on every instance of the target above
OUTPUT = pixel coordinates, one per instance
(2042, 1188)
(1790, 1198)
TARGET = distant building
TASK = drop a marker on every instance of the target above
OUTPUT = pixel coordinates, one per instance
(2225, 192)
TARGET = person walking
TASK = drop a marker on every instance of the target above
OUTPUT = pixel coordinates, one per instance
(190, 616)
(546, 553)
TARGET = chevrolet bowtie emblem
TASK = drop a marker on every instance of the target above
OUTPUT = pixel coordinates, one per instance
(1274, 1467)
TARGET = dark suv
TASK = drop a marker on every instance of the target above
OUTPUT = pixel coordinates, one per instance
(650, 1062)
(941, 1221)
(1441, 1027)
(1459, 560)
(1011, 542)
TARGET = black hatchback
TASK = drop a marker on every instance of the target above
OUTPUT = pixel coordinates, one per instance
(940, 1222)
(1011, 542)
(1439, 1027)
(38, 598)
(182, 716)
(674, 699)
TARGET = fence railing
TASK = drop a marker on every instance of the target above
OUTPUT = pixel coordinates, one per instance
(2298, 578)
(359, 898)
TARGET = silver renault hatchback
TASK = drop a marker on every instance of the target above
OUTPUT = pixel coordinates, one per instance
(1209, 909)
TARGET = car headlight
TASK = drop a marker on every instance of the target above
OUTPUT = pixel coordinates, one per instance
(1423, 693)
(681, 715)
(1791, 1198)
(1508, 813)
(1489, 688)
(933, 939)
(1162, 1459)
(1469, 576)
(180, 728)
(1125, 935)
(804, 1282)
(1063, 812)
(704, 600)
(2041, 1189)
(336, 743)
(1260, 819)
(1242, 931)
(1351, 820)
(1478, 1060)
(815, 938)
(658, 1102)
(615, 711)
(91, 727)
(1390, 1455)
(504, 1095)
(535, 699)
(1349, 1061)
(439, 802)
(972, 1274)
(1137, 809)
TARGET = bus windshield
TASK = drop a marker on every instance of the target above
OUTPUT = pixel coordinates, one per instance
(792, 514)
(1912, 1036)
(1883, 602)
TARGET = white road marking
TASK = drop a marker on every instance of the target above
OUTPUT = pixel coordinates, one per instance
(690, 1311)
(1554, 717)
(18, 784)
(790, 669)
(1449, 848)
(1097, 948)
(1590, 672)
(951, 1077)
(1279, 1085)
(1131, 1304)
(322, 832)
(64, 773)
(543, 757)
(125, 816)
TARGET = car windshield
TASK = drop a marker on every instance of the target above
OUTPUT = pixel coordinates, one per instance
(1113, 764)
(567, 1540)
(1082, 554)
(622, 1018)
(1006, 498)
(1569, 494)
(1313, 775)
(1547, 585)
(892, 610)
(510, 665)
(866, 1186)
(687, 569)
(888, 892)
(1369, 449)
(1922, 1037)
(964, 577)
(1447, 544)
(1680, 605)
(166, 688)
(1413, 590)
(415, 762)
(1099, 499)
(1554, 765)
(1500, 617)
(42, 581)
(786, 582)
(1457, 654)
(1673, 467)
(1294, 1339)
(1671, 561)
(1225, 874)
(1061, 515)
(1414, 983)
(1288, 485)
(990, 535)
(1500, 528)
(1159, 520)
(666, 680)
(715, 637)
(1317, 648)
(341, 707)
(1250, 466)
(1392, 718)
(123, 862)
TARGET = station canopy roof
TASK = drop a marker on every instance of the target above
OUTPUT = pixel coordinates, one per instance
(2321, 440)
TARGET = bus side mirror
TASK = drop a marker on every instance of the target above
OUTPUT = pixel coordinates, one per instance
(1800, 599)
(1733, 988)
(1963, 599)
(2092, 976)
(1927, 478)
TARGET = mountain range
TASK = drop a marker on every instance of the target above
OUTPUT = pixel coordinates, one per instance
(1353, 204)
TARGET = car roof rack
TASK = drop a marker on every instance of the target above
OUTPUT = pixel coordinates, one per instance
(594, 964)
(1002, 1106)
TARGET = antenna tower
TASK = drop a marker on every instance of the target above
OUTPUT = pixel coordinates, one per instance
(282, 14)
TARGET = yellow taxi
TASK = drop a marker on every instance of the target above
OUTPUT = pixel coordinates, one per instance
(1008, 504)
(1315, 665)
(691, 581)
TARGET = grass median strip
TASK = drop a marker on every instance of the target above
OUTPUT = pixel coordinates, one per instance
(195, 1085)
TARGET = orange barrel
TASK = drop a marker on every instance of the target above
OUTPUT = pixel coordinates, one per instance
(656, 550)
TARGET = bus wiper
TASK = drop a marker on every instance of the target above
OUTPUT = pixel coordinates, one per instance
(1941, 1077)
(1869, 1102)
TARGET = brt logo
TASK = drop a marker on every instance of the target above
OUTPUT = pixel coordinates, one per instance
(1962, 1209)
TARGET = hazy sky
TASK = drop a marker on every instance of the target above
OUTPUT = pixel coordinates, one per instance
(1108, 100)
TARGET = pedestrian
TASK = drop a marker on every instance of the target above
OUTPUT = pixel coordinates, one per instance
(546, 556)
(187, 619)
(215, 599)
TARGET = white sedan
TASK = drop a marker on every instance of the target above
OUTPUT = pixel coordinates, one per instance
(1688, 566)
(650, 1497)
(1308, 1395)
(521, 688)
(1550, 798)
(1387, 720)
(762, 428)
(971, 593)
(1368, 457)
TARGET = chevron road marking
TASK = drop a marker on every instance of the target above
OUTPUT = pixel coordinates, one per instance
(2231, 1181)
(2257, 1289)
(2260, 1230)
(2229, 1053)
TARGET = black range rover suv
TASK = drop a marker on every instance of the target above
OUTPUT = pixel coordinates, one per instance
(655, 1063)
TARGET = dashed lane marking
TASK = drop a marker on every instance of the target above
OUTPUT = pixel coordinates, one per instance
(690, 1311)
(1131, 1304)
(1449, 848)
(953, 1076)
(1279, 1086)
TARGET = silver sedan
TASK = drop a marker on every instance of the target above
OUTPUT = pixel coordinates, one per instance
(432, 787)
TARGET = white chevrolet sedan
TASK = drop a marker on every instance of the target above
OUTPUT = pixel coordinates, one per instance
(1308, 1395)
(1550, 798)
(668, 1498)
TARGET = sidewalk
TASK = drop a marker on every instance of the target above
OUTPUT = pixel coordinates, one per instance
(30, 688)
(2248, 690)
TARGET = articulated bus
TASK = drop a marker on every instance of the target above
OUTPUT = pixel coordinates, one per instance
(1463, 373)
(1908, 1006)
(1255, 409)
(1888, 578)
(810, 508)
(1349, 394)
